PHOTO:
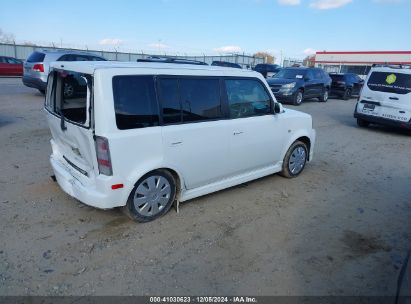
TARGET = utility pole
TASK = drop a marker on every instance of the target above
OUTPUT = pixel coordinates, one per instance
(281, 58)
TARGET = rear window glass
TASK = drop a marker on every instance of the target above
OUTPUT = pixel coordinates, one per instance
(36, 57)
(337, 77)
(135, 102)
(67, 95)
(170, 100)
(200, 99)
(387, 82)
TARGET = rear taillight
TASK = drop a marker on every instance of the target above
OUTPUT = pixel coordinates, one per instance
(38, 67)
(103, 156)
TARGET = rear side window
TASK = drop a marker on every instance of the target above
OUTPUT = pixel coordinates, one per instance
(200, 99)
(36, 57)
(246, 98)
(170, 100)
(397, 83)
(190, 99)
(94, 58)
(337, 77)
(135, 102)
(318, 74)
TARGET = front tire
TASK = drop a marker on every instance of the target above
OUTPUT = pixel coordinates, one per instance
(324, 96)
(151, 197)
(295, 160)
(298, 98)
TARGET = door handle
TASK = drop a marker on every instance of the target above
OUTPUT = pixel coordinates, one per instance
(238, 133)
(394, 98)
(177, 143)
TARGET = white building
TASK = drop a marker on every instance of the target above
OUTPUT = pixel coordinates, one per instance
(359, 62)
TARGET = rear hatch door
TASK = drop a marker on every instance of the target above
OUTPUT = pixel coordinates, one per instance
(32, 66)
(388, 95)
(68, 103)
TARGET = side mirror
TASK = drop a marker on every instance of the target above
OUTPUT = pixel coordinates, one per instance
(278, 108)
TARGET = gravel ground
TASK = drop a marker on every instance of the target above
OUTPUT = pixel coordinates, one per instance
(341, 228)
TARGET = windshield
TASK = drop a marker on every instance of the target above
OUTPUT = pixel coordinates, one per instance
(290, 74)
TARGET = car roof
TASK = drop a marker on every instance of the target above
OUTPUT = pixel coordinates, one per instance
(302, 68)
(88, 67)
(67, 52)
(267, 64)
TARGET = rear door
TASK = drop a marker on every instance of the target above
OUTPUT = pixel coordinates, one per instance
(15, 67)
(194, 133)
(3, 66)
(70, 120)
(310, 84)
(390, 92)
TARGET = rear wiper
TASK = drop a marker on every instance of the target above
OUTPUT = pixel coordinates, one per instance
(62, 123)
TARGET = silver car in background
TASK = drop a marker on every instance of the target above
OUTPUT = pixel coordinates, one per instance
(36, 67)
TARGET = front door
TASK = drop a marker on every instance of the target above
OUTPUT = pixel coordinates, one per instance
(194, 133)
(256, 136)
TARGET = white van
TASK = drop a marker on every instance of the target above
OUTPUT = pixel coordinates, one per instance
(386, 97)
(142, 135)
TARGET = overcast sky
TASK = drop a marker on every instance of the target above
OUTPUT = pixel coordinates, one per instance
(291, 27)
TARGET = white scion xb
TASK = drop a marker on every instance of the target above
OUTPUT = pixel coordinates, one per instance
(143, 135)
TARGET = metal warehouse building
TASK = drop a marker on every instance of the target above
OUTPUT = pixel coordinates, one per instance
(359, 62)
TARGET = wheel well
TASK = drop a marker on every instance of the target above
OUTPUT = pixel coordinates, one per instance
(176, 179)
(307, 141)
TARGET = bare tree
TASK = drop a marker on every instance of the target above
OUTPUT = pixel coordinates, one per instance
(29, 43)
(6, 37)
(269, 58)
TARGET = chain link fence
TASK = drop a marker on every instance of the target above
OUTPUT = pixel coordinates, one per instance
(21, 51)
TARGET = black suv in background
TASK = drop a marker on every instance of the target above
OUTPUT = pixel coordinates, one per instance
(268, 70)
(346, 85)
(293, 85)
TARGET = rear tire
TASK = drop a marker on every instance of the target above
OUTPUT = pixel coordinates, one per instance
(362, 123)
(151, 197)
(347, 94)
(295, 160)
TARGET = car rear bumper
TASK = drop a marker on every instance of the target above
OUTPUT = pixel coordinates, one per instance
(93, 191)
(383, 121)
(33, 82)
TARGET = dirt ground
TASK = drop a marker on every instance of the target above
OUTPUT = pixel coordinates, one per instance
(341, 228)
